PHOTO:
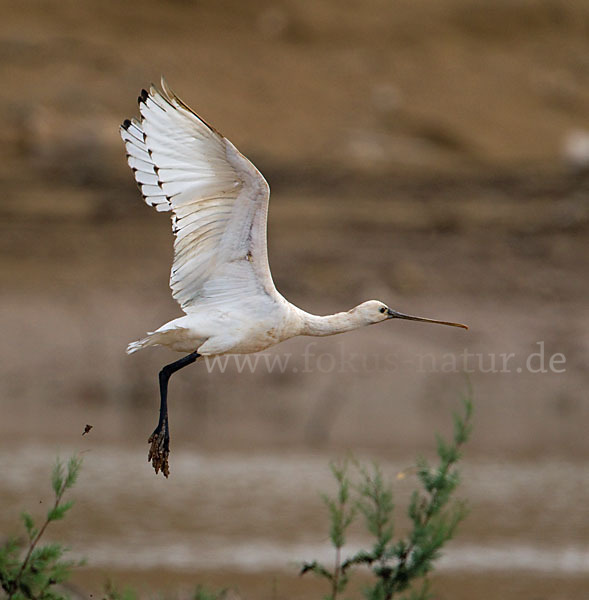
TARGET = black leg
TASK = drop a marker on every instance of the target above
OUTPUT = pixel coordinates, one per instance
(159, 450)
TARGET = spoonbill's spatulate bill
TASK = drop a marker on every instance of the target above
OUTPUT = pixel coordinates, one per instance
(220, 276)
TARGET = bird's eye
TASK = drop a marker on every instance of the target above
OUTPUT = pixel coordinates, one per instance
(383, 309)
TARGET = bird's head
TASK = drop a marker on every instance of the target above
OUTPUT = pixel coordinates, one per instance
(374, 311)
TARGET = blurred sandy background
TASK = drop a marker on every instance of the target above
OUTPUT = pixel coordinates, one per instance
(433, 154)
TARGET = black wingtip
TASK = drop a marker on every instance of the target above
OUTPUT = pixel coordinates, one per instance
(143, 97)
(126, 124)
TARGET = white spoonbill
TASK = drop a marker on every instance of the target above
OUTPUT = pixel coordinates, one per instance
(220, 276)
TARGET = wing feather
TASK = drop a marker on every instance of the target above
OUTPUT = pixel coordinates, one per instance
(218, 200)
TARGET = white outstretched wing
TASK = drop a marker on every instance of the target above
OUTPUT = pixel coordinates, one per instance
(219, 201)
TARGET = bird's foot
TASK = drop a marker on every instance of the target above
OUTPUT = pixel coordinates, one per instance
(159, 450)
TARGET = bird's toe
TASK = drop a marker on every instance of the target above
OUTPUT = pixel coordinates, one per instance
(159, 452)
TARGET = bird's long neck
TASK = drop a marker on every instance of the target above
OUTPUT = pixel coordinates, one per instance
(328, 325)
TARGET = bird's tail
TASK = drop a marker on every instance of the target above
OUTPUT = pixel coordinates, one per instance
(176, 338)
(149, 340)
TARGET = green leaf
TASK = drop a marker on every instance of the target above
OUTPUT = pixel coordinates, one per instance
(58, 512)
(57, 477)
(73, 470)
(29, 525)
(317, 569)
(47, 553)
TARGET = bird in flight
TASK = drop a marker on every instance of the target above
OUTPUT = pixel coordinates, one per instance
(220, 275)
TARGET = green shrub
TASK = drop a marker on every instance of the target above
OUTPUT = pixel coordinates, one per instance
(395, 564)
(27, 569)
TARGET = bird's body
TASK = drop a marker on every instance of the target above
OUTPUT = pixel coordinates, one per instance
(215, 331)
(220, 275)
(243, 330)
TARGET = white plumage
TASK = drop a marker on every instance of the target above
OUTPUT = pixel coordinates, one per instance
(220, 275)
